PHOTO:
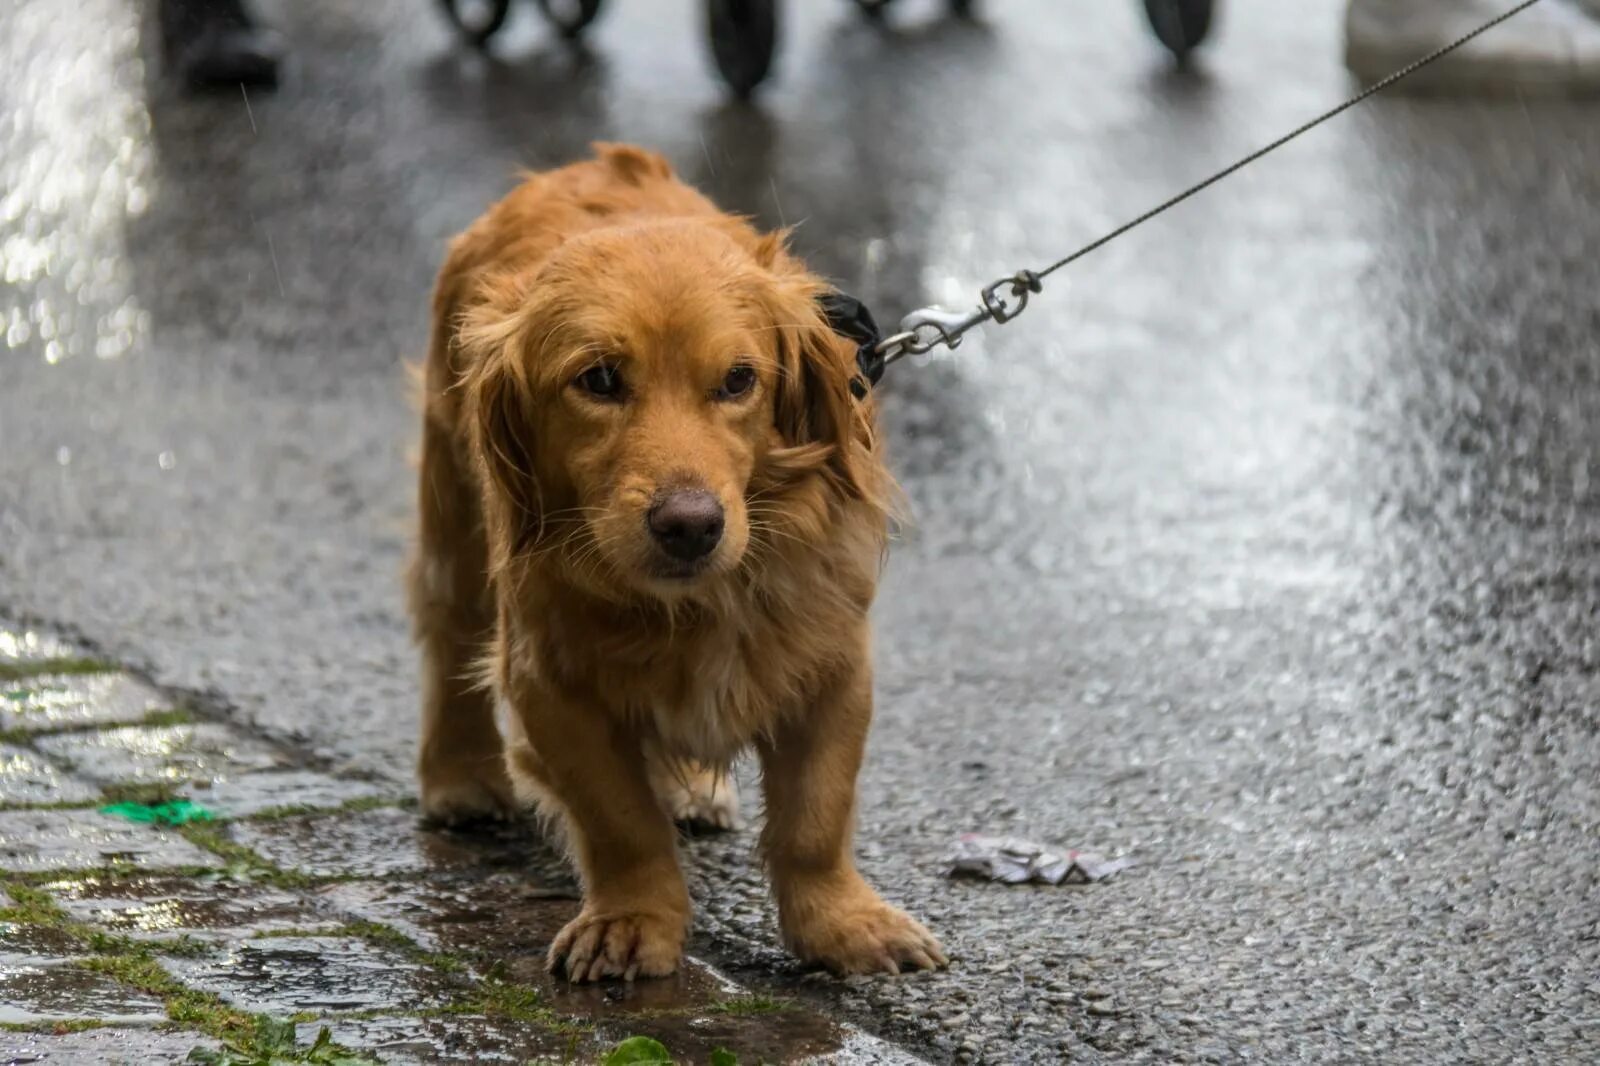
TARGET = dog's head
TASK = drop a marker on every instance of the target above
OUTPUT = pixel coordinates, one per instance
(658, 400)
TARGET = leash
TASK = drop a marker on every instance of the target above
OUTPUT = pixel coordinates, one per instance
(1003, 300)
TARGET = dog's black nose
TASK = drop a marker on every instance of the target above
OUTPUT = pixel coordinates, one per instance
(687, 523)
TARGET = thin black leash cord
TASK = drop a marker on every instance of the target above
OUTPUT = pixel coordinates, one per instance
(925, 329)
(1376, 87)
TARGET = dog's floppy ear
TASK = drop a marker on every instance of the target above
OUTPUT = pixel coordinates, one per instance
(499, 408)
(824, 427)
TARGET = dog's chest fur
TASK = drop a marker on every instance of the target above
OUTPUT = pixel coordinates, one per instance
(710, 678)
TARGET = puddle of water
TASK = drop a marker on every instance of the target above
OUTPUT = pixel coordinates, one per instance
(691, 988)
(27, 777)
(322, 974)
(33, 841)
(509, 920)
(33, 992)
(157, 907)
(178, 754)
(60, 701)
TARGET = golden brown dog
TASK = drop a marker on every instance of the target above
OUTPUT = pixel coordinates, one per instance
(649, 495)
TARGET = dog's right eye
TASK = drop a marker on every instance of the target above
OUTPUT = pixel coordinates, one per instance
(602, 381)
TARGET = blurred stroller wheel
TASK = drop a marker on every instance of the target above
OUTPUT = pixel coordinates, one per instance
(1180, 24)
(876, 8)
(570, 16)
(478, 20)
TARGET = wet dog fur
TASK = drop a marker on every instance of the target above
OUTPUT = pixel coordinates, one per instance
(605, 344)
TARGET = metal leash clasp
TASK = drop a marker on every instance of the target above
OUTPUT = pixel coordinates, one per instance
(926, 328)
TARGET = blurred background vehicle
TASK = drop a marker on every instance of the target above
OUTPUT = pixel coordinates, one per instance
(744, 34)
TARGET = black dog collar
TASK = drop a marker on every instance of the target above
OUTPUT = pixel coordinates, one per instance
(849, 318)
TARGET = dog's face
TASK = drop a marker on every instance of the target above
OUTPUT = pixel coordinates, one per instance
(646, 397)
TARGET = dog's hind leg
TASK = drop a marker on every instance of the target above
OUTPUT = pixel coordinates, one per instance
(461, 761)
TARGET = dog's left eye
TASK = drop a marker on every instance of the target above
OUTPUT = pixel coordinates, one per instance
(737, 382)
(602, 381)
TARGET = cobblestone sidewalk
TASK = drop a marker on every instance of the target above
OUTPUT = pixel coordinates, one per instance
(299, 916)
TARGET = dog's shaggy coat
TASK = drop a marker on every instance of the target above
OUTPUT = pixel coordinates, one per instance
(605, 339)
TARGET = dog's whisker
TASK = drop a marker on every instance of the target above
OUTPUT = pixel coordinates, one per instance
(767, 529)
(585, 552)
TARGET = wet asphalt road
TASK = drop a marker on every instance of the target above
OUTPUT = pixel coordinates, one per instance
(1263, 549)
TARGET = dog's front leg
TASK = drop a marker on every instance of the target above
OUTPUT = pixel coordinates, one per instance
(828, 913)
(589, 766)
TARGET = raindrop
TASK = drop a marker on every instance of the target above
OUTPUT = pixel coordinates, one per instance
(64, 456)
(167, 460)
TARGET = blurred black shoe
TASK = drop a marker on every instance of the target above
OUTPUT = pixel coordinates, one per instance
(215, 43)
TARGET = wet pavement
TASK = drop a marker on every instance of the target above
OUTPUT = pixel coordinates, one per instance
(1263, 548)
(266, 918)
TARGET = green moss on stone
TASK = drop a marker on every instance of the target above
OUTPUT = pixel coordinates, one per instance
(66, 665)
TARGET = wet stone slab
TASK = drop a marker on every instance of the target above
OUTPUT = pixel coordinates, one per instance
(389, 842)
(33, 991)
(207, 908)
(320, 974)
(18, 646)
(65, 701)
(180, 755)
(32, 841)
(28, 777)
(112, 1046)
(455, 1038)
(24, 941)
(244, 795)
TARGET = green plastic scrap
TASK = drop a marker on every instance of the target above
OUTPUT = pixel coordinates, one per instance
(638, 1051)
(173, 812)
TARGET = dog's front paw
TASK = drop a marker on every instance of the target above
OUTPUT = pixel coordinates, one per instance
(627, 945)
(864, 936)
(455, 799)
